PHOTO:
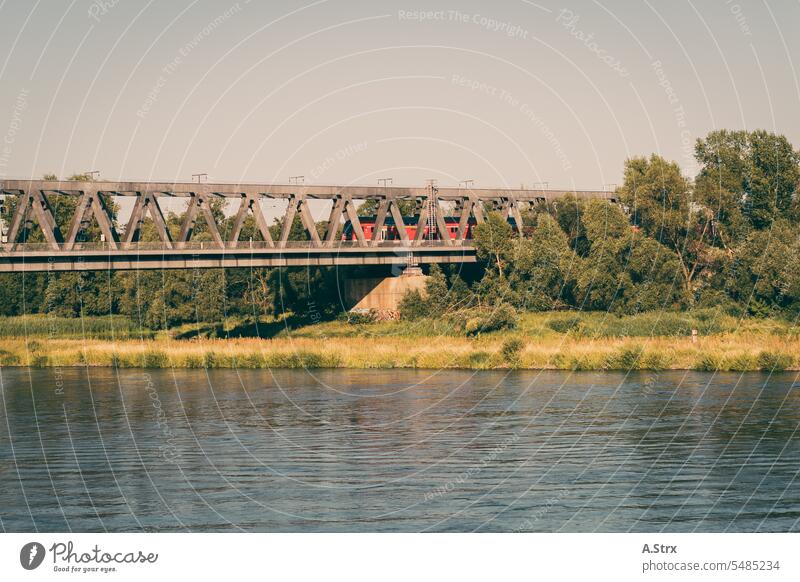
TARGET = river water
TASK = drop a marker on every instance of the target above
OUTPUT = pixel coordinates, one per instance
(388, 450)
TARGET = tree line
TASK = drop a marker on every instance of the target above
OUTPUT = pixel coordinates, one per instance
(725, 238)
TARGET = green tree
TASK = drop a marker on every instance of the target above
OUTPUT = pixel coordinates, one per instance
(494, 243)
(747, 179)
(603, 220)
(625, 271)
(660, 201)
(568, 212)
(543, 267)
(764, 274)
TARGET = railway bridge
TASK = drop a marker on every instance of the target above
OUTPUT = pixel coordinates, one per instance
(407, 225)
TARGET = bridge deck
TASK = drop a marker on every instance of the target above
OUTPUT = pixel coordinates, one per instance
(99, 257)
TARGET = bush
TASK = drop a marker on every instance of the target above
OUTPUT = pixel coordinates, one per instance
(480, 360)
(503, 317)
(741, 363)
(565, 325)
(194, 361)
(413, 305)
(658, 360)
(360, 317)
(473, 326)
(585, 362)
(625, 359)
(252, 360)
(511, 350)
(39, 361)
(155, 359)
(774, 361)
(8, 358)
(476, 321)
(708, 363)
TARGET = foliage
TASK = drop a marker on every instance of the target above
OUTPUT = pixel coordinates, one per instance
(444, 292)
(726, 240)
(747, 180)
(511, 350)
(502, 317)
(765, 272)
(565, 324)
(544, 268)
(660, 201)
(494, 243)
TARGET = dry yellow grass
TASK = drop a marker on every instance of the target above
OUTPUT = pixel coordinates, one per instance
(720, 352)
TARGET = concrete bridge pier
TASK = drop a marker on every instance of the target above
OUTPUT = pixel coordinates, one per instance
(382, 294)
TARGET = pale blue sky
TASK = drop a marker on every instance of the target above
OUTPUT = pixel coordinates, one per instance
(347, 92)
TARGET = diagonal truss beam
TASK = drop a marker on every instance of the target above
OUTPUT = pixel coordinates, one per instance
(91, 204)
(199, 203)
(298, 204)
(34, 204)
(21, 214)
(399, 221)
(380, 220)
(355, 223)
(470, 206)
(146, 203)
(334, 221)
(252, 204)
(441, 225)
(510, 209)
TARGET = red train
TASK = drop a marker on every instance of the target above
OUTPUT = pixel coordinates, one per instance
(390, 232)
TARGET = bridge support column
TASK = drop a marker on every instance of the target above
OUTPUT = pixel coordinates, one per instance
(382, 294)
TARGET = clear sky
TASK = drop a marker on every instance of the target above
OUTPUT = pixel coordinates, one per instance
(503, 93)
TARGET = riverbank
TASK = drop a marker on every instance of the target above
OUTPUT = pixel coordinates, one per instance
(540, 341)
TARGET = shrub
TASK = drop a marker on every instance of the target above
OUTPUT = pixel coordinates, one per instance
(473, 326)
(193, 361)
(655, 324)
(625, 359)
(252, 360)
(774, 361)
(475, 321)
(8, 359)
(741, 363)
(708, 363)
(565, 325)
(155, 359)
(413, 305)
(210, 360)
(504, 316)
(360, 317)
(659, 360)
(586, 362)
(39, 361)
(511, 350)
(480, 360)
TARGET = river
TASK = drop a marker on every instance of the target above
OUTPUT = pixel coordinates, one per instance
(395, 450)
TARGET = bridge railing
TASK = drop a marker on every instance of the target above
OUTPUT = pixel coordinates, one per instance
(77, 248)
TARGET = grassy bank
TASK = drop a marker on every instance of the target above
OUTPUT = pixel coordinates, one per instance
(587, 341)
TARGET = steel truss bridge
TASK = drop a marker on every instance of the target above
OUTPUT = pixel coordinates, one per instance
(121, 249)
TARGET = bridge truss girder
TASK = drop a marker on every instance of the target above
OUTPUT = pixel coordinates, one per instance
(33, 204)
